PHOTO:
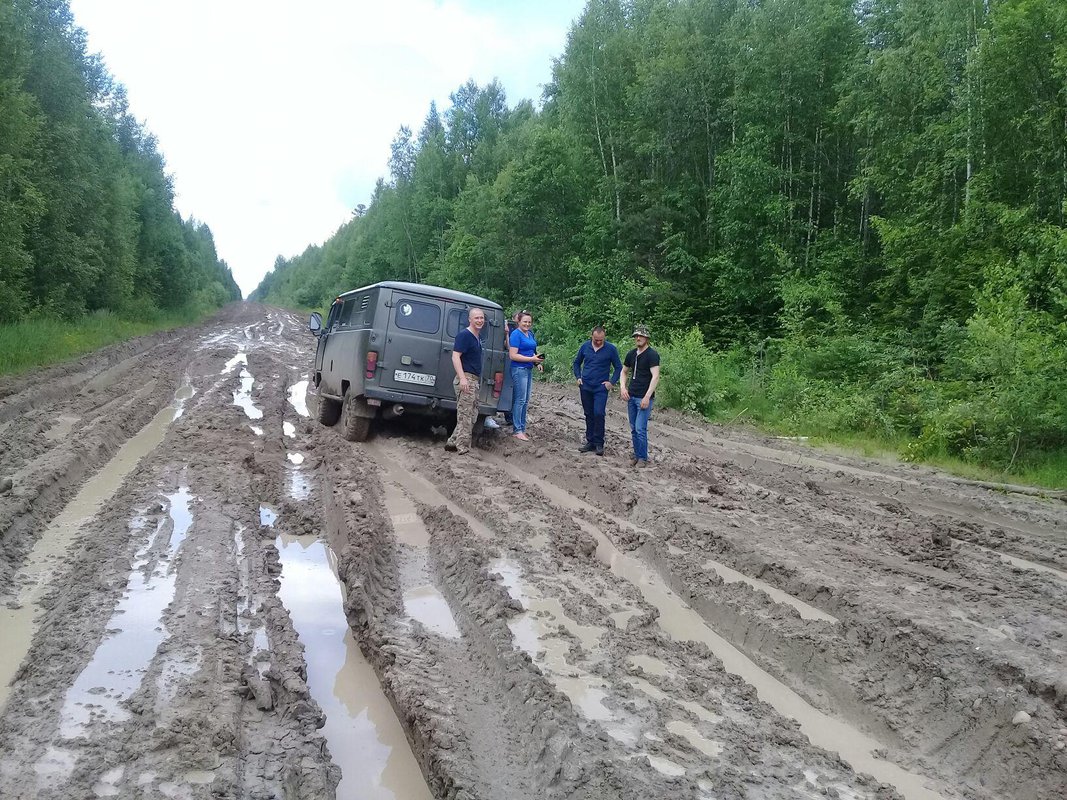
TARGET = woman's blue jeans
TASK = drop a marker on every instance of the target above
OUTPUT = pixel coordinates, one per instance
(521, 381)
(639, 425)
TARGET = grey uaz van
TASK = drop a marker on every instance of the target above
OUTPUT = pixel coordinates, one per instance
(386, 350)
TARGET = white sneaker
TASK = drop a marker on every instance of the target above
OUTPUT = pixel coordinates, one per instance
(491, 424)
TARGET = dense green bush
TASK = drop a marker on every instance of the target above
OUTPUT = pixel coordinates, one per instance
(687, 373)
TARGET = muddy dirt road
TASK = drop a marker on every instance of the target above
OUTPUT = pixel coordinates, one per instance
(205, 594)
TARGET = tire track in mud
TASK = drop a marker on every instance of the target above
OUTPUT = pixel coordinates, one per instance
(123, 696)
(48, 462)
(686, 630)
(481, 592)
(471, 703)
(925, 686)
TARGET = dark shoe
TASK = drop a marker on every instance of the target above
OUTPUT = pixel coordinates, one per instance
(586, 448)
(634, 462)
(600, 450)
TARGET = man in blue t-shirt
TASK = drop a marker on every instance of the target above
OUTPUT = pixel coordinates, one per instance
(467, 362)
(595, 357)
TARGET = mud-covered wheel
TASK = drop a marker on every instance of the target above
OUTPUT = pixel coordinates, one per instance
(354, 427)
(329, 411)
(479, 427)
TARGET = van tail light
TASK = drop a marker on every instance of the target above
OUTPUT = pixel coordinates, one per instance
(372, 364)
(498, 384)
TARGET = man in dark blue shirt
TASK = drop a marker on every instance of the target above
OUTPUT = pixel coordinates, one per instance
(595, 357)
(467, 363)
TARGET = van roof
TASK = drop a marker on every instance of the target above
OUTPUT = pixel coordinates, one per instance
(431, 291)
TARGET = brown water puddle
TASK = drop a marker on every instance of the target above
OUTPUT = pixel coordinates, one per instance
(50, 550)
(684, 624)
(364, 736)
(135, 629)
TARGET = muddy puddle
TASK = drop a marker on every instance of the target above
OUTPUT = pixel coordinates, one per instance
(242, 397)
(52, 547)
(298, 397)
(135, 630)
(361, 730)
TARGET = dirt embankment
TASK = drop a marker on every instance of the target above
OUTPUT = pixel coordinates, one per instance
(745, 619)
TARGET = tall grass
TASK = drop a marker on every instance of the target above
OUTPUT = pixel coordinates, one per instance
(40, 341)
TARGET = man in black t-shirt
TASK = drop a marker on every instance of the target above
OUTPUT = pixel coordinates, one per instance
(641, 366)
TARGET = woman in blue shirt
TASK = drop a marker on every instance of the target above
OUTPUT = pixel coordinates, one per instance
(522, 346)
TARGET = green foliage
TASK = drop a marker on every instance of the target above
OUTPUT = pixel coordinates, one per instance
(559, 339)
(87, 220)
(838, 218)
(687, 373)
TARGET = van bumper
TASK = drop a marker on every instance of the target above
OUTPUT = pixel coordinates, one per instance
(420, 401)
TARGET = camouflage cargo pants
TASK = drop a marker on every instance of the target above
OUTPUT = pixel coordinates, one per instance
(466, 414)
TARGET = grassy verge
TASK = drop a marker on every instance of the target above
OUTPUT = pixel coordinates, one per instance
(1046, 470)
(40, 341)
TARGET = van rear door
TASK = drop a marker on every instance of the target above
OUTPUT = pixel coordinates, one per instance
(457, 320)
(410, 358)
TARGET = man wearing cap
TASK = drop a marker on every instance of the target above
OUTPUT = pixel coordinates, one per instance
(642, 364)
(591, 365)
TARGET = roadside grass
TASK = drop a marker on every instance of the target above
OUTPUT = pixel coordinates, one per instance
(1043, 470)
(41, 341)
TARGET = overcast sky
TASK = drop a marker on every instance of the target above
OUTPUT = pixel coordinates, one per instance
(275, 118)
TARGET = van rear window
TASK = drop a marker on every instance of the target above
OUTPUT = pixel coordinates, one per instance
(412, 315)
(458, 320)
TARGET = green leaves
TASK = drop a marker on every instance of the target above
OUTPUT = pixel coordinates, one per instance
(86, 210)
(850, 215)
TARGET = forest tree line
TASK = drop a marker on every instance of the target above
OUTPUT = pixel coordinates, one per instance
(834, 214)
(87, 218)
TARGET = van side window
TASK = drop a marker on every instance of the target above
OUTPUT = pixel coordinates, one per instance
(346, 313)
(332, 317)
(412, 315)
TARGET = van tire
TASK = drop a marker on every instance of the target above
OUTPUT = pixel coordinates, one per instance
(328, 412)
(354, 427)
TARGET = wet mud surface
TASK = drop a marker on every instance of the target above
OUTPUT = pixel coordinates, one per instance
(206, 594)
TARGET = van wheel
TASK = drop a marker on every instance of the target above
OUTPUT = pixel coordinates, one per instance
(354, 427)
(479, 427)
(328, 412)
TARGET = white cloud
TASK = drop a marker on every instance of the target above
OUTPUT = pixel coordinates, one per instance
(275, 117)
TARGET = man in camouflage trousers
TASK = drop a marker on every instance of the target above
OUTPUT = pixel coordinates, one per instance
(467, 362)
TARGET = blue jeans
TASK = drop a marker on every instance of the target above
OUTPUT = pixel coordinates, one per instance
(639, 425)
(521, 381)
(595, 406)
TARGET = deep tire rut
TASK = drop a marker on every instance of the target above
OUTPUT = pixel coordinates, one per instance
(535, 622)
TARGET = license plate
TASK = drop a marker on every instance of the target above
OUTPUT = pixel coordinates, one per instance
(421, 378)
